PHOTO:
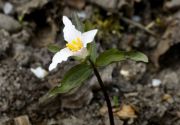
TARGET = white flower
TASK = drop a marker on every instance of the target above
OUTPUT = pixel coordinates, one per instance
(39, 72)
(76, 43)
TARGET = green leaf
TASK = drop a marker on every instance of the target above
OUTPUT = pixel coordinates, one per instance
(53, 48)
(110, 56)
(92, 51)
(73, 78)
(137, 56)
(21, 18)
(114, 55)
(116, 101)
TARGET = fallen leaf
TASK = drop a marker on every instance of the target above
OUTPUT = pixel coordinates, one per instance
(126, 112)
(167, 98)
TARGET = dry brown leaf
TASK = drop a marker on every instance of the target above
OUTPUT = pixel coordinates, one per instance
(167, 98)
(126, 112)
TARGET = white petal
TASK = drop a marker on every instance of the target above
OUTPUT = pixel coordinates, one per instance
(88, 36)
(67, 21)
(83, 53)
(39, 72)
(70, 32)
(60, 56)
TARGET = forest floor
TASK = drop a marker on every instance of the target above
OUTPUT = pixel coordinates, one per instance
(147, 94)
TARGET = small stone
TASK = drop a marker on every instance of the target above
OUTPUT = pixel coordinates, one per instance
(132, 70)
(79, 4)
(170, 79)
(22, 55)
(173, 4)
(72, 121)
(106, 4)
(82, 15)
(8, 8)
(106, 75)
(117, 121)
(136, 18)
(22, 120)
(4, 43)
(9, 24)
(156, 82)
(21, 37)
(4, 107)
(52, 122)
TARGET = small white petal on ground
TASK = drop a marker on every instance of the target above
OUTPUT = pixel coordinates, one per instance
(39, 72)
(156, 82)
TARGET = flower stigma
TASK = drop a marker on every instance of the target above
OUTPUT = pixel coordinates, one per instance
(75, 45)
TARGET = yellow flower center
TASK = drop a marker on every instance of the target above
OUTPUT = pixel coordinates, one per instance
(75, 45)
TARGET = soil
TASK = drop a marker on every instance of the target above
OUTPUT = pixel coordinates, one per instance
(31, 25)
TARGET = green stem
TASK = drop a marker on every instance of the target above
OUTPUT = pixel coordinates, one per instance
(111, 117)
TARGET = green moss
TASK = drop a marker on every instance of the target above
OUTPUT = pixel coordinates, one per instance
(107, 26)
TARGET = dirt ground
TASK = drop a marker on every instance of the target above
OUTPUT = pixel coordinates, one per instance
(147, 94)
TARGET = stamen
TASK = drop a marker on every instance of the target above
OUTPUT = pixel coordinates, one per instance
(75, 45)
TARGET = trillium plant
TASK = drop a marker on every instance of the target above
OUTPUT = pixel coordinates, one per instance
(81, 46)
(76, 43)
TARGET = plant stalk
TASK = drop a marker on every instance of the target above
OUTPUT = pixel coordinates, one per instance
(108, 102)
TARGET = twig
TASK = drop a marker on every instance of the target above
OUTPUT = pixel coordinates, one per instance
(140, 26)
